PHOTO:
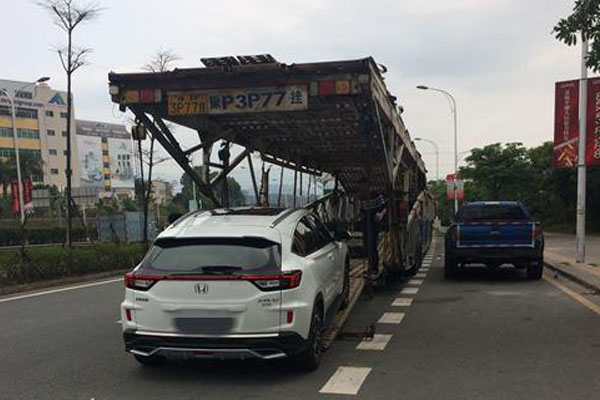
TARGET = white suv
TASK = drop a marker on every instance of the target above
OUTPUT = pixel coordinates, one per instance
(236, 283)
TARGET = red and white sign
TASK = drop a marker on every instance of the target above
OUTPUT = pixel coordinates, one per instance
(451, 190)
(14, 193)
(566, 124)
(592, 142)
(28, 196)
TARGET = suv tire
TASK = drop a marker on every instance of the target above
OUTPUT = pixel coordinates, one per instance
(310, 359)
(535, 270)
(346, 291)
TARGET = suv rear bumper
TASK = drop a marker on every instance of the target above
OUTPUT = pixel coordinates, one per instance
(255, 346)
(493, 254)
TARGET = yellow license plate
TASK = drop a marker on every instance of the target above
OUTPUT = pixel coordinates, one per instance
(187, 104)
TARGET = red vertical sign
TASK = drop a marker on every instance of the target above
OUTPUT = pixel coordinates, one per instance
(14, 192)
(592, 143)
(566, 123)
(28, 195)
(451, 190)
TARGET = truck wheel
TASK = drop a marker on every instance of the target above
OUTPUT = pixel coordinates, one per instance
(150, 361)
(450, 268)
(535, 270)
(310, 359)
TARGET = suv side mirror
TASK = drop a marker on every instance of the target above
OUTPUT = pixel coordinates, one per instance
(342, 235)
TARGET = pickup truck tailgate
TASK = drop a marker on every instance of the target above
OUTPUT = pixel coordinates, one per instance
(498, 234)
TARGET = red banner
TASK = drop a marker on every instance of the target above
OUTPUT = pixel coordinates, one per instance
(28, 195)
(592, 142)
(14, 192)
(566, 124)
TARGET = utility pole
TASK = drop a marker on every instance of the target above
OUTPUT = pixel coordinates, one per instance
(581, 169)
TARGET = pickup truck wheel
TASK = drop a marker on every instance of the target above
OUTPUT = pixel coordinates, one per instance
(535, 270)
(310, 359)
(450, 268)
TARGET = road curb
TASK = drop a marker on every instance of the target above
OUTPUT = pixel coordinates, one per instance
(572, 276)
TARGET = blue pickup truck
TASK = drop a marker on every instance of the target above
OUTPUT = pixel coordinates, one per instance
(494, 233)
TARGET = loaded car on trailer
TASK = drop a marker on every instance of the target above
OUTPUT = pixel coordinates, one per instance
(236, 283)
(495, 233)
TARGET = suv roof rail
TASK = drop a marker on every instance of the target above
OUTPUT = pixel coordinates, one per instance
(283, 216)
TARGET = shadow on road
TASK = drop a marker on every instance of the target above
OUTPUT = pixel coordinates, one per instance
(250, 372)
(482, 274)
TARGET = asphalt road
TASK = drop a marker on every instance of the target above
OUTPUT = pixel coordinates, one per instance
(488, 335)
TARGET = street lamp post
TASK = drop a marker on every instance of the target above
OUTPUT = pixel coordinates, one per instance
(437, 156)
(453, 107)
(11, 100)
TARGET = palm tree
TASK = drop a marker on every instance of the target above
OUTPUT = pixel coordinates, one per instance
(31, 166)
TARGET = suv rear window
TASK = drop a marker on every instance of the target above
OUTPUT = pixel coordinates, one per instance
(492, 212)
(214, 256)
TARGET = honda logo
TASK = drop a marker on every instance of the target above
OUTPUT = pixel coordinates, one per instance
(201, 288)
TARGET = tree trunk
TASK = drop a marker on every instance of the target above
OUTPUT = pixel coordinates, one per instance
(146, 199)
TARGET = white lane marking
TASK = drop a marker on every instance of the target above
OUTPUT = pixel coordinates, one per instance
(402, 302)
(415, 282)
(346, 380)
(391, 318)
(421, 275)
(377, 343)
(66, 289)
(410, 290)
(425, 265)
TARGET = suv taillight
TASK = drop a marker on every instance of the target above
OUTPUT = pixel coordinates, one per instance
(454, 233)
(288, 280)
(142, 282)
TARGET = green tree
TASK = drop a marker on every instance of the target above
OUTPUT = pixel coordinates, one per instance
(499, 172)
(585, 19)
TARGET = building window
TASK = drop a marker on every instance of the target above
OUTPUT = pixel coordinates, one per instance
(51, 132)
(106, 177)
(106, 165)
(24, 95)
(104, 152)
(9, 152)
(54, 171)
(107, 188)
(21, 112)
(64, 133)
(63, 115)
(65, 153)
(22, 133)
(104, 140)
(52, 152)
(49, 113)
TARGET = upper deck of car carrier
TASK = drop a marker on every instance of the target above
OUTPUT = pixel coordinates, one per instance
(335, 117)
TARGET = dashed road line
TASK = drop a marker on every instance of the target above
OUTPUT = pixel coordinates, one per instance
(378, 342)
(391, 318)
(409, 290)
(346, 380)
(64, 289)
(415, 282)
(421, 275)
(402, 302)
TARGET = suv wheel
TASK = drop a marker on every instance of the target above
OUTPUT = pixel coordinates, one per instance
(346, 291)
(310, 359)
(450, 268)
(150, 361)
(536, 269)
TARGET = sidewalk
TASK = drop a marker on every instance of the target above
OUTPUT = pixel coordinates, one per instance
(559, 255)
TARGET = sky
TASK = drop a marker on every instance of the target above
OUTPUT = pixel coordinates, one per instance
(497, 57)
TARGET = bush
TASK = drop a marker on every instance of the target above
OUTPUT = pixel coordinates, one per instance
(53, 262)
